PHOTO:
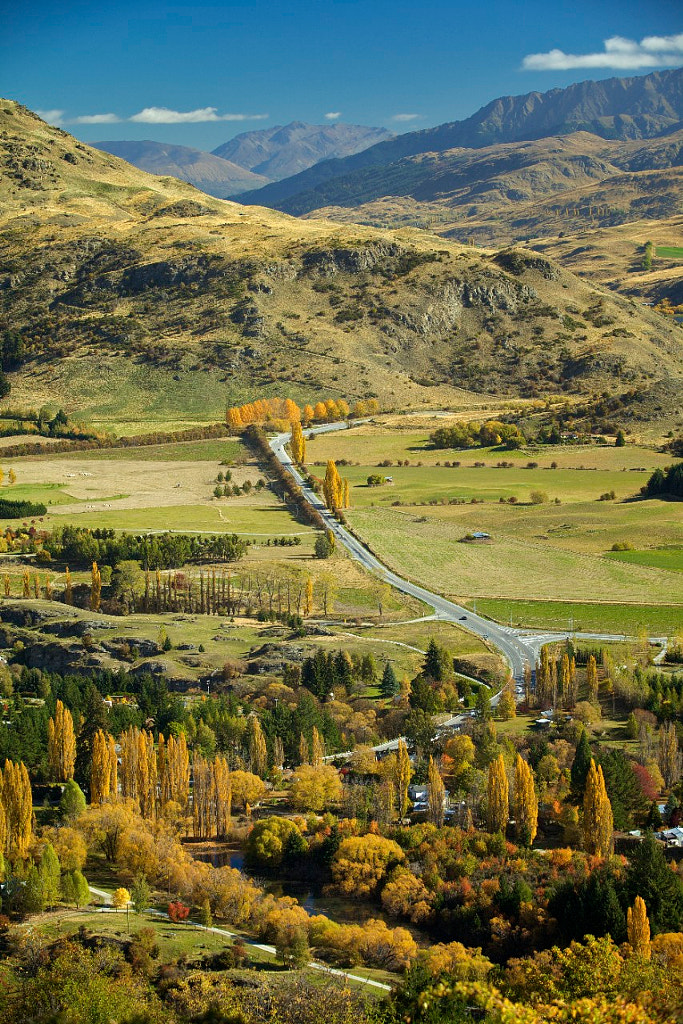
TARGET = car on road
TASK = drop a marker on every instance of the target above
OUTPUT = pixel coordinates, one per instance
(463, 618)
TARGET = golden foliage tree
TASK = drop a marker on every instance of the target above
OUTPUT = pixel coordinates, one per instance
(497, 794)
(18, 804)
(317, 749)
(95, 588)
(402, 777)
(25, 583)
(598, 823)
(638, 928)
(103, 768)
(333, 488)
(592, 678)
(61, 744)
(258, 751)
(436, 795)
(668, 756)
(298, 443)
(526, 802)
(304, 751)
(315, 789)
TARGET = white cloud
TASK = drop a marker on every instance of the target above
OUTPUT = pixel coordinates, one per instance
(405, 117)
(619, 53)
(333, 115)
(96, 119)
(162, 115)
(53, 117)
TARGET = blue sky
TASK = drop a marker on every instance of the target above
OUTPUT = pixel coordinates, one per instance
(199, 74)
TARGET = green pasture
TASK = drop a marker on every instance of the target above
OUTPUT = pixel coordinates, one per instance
(210, 450)
(585, 616)
(671, 252)
(660, 558)
(225, 515)
(548, 552)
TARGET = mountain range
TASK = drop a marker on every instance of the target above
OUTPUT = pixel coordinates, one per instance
(618, 108)
(251, 159)
(122, 291)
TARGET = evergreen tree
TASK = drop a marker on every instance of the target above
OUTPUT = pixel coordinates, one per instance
(389, 686)
(482, 704)
(81, 889)
(650, 877)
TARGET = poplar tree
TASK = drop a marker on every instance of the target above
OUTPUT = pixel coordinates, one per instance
(223, 797)
(258, 751)
(95, 588)
(497, 794)
(638, 929)
(592, 678)
(49, 872)
(598, 824)
(18, 804)
(298, 443)
(304, 753)
(25, 584)
(436, 794)
(308, 600)
(403, 772)
(333, 488)
(669, 758)
(526, 802)
(61, 744)
(317, 749)
(581, 765)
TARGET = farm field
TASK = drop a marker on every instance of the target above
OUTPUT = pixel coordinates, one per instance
(671, 252)
(549, 551)
(660, 558)
(626, 619)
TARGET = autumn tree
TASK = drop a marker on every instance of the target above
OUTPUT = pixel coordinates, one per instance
(526, 802)
(298, 443)
(506, 705)
(436, 795)
(401, 780)
(246, 788)
(497, 796)
(61, 744)
(120, 898)
(638, 928)
(333, 488)
(598, 825)
(362, 862)
(104, 768)
(256, 742)
(68, 588)
(315, 789)
(668, 756)
(95, 588)
(18, 807)
(317, 749)
(592, 678)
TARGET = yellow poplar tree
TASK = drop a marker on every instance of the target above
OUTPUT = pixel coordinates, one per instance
(103, 769)
(308, 600)
(26, 583)
(333, 489)
(402, 778)
(95, 588)
(638, 928)
(223, 797)
(258, 751)
(68, 589)
(12, 477)
(8, 585)
(298, 443)
(304, 753)
(437, 794)
(526, 802)
(497, 795)
(317, 749)
(598, 823)
(592, 678)
(61, 744)
(18, 803)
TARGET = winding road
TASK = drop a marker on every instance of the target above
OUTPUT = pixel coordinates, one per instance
(519, 647)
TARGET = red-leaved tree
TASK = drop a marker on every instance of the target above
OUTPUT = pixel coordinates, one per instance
(178, 912)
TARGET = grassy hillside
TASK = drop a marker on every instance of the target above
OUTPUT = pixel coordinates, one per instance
(133, 298)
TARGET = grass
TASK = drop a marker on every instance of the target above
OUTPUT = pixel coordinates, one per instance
(660, 558)
(217, 450)
(672, 252)
(628, 619)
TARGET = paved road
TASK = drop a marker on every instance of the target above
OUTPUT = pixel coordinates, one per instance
(518, 647)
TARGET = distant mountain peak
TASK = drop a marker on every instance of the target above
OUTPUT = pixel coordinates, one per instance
(282, 150)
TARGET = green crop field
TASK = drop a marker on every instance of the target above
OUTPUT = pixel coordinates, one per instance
(620, 619)
(672, 252)
(231, 515)
(212, 450)
(660, 558)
